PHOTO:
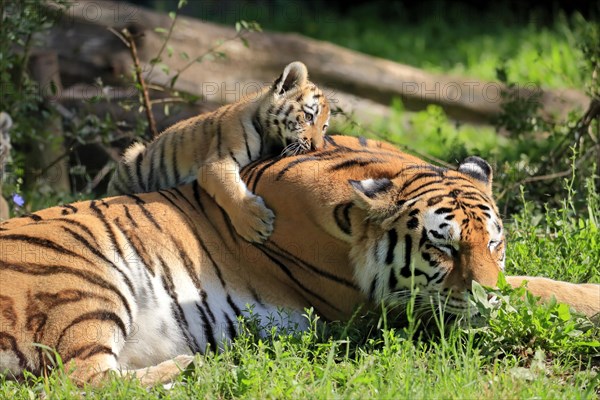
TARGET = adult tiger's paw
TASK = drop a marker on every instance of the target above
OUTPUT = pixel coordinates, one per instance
(253, 220)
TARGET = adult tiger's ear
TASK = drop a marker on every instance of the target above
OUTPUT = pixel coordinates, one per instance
(478, 168)
(374, 196)
(294, 75)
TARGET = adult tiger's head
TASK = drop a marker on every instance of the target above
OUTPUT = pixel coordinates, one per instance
(296, 113)
(429, 228)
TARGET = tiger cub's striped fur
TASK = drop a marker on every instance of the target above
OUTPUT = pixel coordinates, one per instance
(131, 281)
(293, 115)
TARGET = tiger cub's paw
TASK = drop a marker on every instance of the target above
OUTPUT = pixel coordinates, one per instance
(253, 220)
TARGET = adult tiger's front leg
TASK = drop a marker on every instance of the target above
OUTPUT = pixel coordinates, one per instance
(250, 217)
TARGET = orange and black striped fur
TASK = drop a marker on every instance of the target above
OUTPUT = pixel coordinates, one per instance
(290, 117)
(130, 282)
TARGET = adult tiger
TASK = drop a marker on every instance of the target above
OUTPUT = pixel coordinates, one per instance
(290, 116)
(132, 281)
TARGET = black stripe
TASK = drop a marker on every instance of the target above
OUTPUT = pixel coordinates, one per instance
(259, 131)
(353, 163)
(160, 148)
(293, 163)
(262, 170)
(246, 141)
(435, 200)
(436, 234)
(145, 211)
(175, 142)
(208, 331)
(266, 121)
(392, 281)
(163, 194)
(234, 159)
(405, 271)
(255, 296)
(81, 226)
(228, 224)
(330, 140)
(412, 223)
(233, 306)
(129, 217)
(69, 207)
(220, 134)
(392, 242)
(288, 111)
(150, 184)
(138, 171)
(101, 315)
(230, 327)
(203, 297)
(176, 309)
(34, 217)
(372, 288)
(341, 215)
(196, 194)
(87, 351)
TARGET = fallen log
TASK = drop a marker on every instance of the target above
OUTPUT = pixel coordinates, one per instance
(356, 82)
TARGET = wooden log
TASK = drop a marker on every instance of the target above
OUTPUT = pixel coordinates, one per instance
(354, 81)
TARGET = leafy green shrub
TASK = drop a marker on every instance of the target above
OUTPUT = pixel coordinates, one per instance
(517, 324)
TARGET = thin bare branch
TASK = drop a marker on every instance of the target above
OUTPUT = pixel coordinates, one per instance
(138, 73)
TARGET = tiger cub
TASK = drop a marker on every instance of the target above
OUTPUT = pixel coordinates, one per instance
(292, 115)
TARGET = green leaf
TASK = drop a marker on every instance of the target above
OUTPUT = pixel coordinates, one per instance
(480, 295)
(563, 311)
(160, 30)
(172, 14)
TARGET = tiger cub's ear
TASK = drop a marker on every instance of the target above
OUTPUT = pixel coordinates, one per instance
(294, 75)
(374, 196)
(478, 168)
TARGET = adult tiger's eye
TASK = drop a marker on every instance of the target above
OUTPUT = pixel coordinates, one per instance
(308, 117)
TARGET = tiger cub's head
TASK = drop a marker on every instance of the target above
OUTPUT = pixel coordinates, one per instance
(430, 229)
(296, 114)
